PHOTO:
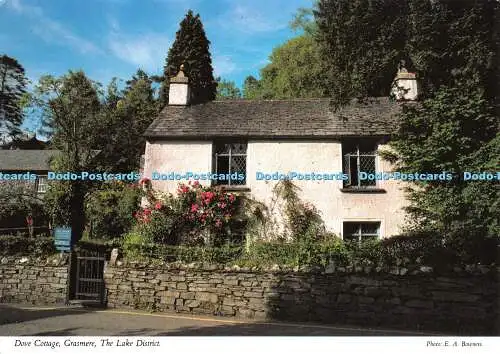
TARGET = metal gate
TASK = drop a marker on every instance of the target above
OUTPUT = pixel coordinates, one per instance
(89, 277)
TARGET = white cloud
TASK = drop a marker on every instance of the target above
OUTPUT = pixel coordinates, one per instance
(146, 51)
(247, 19)
(50, 30)
(223, 65)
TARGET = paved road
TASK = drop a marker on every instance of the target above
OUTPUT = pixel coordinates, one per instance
(65, 321)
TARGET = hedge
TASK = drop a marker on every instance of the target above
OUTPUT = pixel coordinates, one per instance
(403, 250)
(22, 244)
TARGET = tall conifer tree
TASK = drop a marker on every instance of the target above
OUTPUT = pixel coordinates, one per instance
(191, 48)
(12, 89)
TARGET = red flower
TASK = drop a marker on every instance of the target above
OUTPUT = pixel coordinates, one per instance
(144, 180)
(218, 223)
(232, 198)
(183, 189)
(196, 184)
(147, 211)
(194, 208)
(158, 205)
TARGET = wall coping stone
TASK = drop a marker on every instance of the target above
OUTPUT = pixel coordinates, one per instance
(329, 269)
(57, 260)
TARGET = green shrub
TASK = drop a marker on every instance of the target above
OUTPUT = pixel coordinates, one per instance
(22, 244)
(132, 244)
(18, 200)
(135, 249)
(109, 210)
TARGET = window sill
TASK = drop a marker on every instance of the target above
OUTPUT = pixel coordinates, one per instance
(235, 188)
(363, 190)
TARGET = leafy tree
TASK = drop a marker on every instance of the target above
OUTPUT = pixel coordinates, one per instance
(71, 107)
(127, 116)
(455, 128)
(303, 20)
(12, 90)
(227, 90)
(295, 71)
(361, 42)
(191, 48)
(452, 41)
(251, 87)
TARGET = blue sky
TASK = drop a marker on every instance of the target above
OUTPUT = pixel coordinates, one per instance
(108, 38)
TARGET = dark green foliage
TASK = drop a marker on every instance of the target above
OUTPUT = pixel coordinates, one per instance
(12, 89)
(109, 210)
(361, 41)
(454, 42)
(191, 48)
(453, 48)
(17, 200)
(23, 245)
(102, 246)
(186, 254)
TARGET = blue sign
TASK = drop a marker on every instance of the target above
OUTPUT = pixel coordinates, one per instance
(62, 238)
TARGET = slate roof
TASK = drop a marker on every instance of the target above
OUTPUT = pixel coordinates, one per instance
(26, 160)
(297, 118)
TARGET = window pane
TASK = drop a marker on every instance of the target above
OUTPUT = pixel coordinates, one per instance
(238, 148)
(222, 164)
(351, 228)
(230, 158)
(353, 174)
(222, 148)
(370, 228)
(238, 165)
(367, 164)
(42, 185)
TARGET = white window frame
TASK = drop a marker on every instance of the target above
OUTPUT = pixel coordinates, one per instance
(360, 233)
(44, 184)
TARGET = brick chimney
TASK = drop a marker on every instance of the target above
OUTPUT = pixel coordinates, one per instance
(179, 92)
(405, 84)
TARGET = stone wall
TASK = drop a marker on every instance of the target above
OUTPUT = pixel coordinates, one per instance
(33, 280)
(464, 302)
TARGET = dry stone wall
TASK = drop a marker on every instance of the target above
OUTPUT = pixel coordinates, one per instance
(34, 280)
(460, 301)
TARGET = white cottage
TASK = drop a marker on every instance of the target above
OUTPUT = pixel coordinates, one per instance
(255, 138)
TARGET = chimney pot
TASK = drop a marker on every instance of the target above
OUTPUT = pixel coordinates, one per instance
(405, 85)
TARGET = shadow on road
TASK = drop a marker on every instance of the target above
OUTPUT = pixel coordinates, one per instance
(15, 314)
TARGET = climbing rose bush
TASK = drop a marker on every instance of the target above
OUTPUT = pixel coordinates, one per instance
(206, 206)
(195, 208)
